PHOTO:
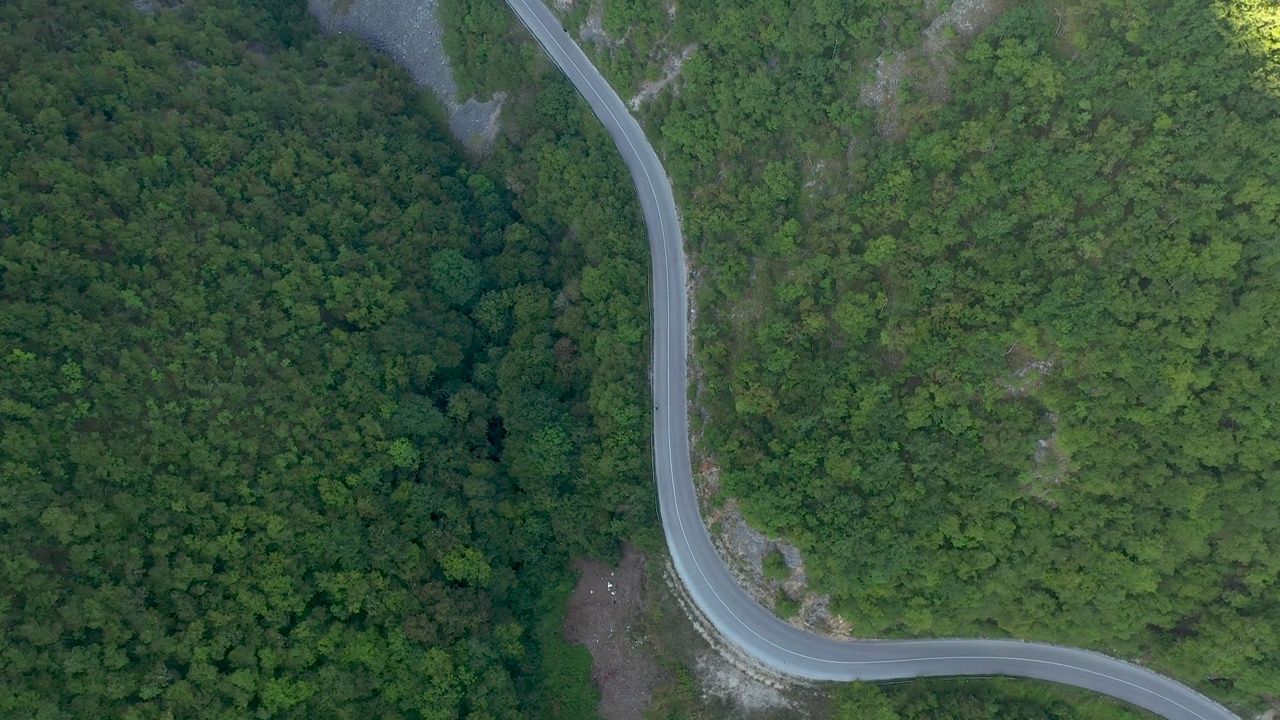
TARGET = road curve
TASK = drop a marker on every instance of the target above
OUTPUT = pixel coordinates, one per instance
(739, 618)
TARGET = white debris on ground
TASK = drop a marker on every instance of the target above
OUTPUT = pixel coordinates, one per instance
(611, 627)
(410, 33)
(670, 71)
(1027, 377)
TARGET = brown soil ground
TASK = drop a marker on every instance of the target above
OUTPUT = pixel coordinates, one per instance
(606, 614)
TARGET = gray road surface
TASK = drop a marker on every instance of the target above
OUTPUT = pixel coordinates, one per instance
(739, 618)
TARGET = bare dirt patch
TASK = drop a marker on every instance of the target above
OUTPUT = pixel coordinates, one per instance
(950, 30)
(592, 29)
(1028, 372)
(965, 18)
(925, 66)
(670, 71)
(672, 56)
(1051, 465)
(885, 94)
(607, 615)
(743, 548)
(727, 682)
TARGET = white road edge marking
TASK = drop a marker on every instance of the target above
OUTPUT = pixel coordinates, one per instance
(670, 441)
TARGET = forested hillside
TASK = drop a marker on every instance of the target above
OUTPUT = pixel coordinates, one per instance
(1005, 361)
(302, 414)
(969, 699)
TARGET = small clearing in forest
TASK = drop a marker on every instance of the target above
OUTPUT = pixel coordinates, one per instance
(1051, 465)
(607, 615)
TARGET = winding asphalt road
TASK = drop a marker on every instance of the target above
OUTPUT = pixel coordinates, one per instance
(739, 618)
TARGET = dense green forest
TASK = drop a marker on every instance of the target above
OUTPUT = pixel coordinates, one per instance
(988, 699)
(304, 414)
(1006, 361)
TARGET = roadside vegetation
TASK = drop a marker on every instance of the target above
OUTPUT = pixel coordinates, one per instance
(302, 412)
(695, 687)
(1004, 362)
(973, 699)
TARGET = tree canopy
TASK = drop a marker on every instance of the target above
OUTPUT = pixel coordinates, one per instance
(304, 413)
(1004, 363)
